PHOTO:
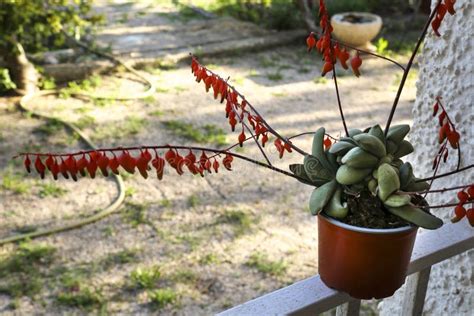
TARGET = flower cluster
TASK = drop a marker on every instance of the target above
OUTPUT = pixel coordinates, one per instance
(465, 197)
(237, 108)
(331, 50)
(447, 133)
(83, 163)
(441, 9)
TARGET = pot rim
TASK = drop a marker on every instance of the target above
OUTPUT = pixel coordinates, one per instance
(368, 230)
(376, 19)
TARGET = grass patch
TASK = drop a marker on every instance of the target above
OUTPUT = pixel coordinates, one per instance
(208, 133)
(194, 200)
(166, 203)
(85, 121)
(261, 262)
(14, 183)
(51, 190)
(119, 258)
(156, 113)
(240, 220)
(132, 125)
(51, 127)
(145, 278)
(276, 76)
(320, 80)
(161, 297)
(184, 276)
(135, 214)
(20, 272)
(85, 298)
(209, 259)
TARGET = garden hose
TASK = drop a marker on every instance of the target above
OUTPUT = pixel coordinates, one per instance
(117, 202)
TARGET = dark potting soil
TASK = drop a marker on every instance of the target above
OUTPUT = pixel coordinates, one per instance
(368, 211)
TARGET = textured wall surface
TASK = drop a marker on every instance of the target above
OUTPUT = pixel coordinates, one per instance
(447, 70)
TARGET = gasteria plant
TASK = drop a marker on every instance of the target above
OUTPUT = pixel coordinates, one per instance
(362, 165)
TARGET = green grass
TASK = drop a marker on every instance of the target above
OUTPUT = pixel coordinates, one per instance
(261, 263)
(85, 121)
(135, 214)
(84, 298)
(21, 273)
(204, 134)
(145, 278)
(14, 183)
(194, 200)
(209, 259)
(120, 257)
(51, 190)
(240, 220)
(320, 80)
(184, 276)
(51, 127)
(166, 203)
(130, 126)
(156, 113)
(276, 76)
(85, 85)
(161, 297)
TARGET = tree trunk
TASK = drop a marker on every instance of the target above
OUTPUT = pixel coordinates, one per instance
(22, 71)
(307, 11)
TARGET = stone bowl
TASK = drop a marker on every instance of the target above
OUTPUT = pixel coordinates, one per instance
(356, 28)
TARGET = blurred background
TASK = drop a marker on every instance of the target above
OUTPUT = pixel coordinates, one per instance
(119, 71)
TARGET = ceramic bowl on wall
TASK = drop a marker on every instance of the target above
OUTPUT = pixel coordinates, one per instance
(356, 28)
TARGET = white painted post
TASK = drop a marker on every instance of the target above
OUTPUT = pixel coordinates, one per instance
(350, 308)
(415, 292)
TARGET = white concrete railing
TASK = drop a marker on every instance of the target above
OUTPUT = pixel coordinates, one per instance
(312, 296)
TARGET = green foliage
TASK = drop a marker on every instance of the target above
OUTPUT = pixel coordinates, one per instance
(85, 298)
(208, 259)
(241, 221)
(264, 265)
(381, 46)
(145, 278)
(21, 272)
(161, 297)
(135, 214)
(38, 24)
(14, 183)
(206, 134)
(121, 257)
(194, 200)
(6, 82)
(52, 190)
(274, 14)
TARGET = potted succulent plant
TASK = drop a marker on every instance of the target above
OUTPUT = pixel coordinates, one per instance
(368, 200)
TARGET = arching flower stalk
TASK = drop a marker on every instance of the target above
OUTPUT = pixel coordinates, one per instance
(366, 160)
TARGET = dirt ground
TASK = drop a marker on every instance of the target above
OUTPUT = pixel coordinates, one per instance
(184, 245)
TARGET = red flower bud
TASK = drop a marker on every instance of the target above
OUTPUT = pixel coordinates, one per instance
(27, 164)
(127, 162)
(470, 191)
(463, 197)
(242, 138)
(327, 143)
(310, 41)
(453, 138)
(81, 165)
(40, 168)
(114, 165)
(159, 164)
(264, 139)
(470, 216)
(327, 67)
(435, 109)
(215, 166)
(460, 211)
(227, 162)
(103, 164)
(356, 62)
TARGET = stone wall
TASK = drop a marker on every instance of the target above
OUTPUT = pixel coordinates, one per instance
(447, 70)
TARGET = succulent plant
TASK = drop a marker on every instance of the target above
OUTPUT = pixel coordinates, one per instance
(365, 160)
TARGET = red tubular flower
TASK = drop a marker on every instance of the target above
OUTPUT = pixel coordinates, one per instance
(435, 24)
(179, 164)
(142, 163)
(215, 165)
(343, 58)
(203, 159)
(450, 6)
(279, 146)
(103, 164)
(81, 165)
(264, 139)
(470, 216)
(63, 169)
(170, 157)
(40, 168)
(470, 191)
(327, 68)
(462, 197)
(70, 163)
(356, 62)
(327, 143)
(310, 41)
(460, 211)
(287, 146)
(435, 108)
(27, 164)
(242, 138)
(159, 164)
(453, 138)
(227, 162)
(91, 166)
(114, 165)
(127, 162)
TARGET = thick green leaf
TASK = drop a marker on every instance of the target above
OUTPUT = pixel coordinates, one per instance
(347, 175)
(397, 133)
(298, 170)
(321, 196)
(335, 208)
(315, 170)
(341, 147)
(388, 180)
(416, 216)
(318, 149)
(377, 131)
(405, 148)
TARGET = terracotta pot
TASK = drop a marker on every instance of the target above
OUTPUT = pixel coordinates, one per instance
(363, 262)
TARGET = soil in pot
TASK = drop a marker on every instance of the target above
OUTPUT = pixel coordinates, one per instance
(367, 211)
